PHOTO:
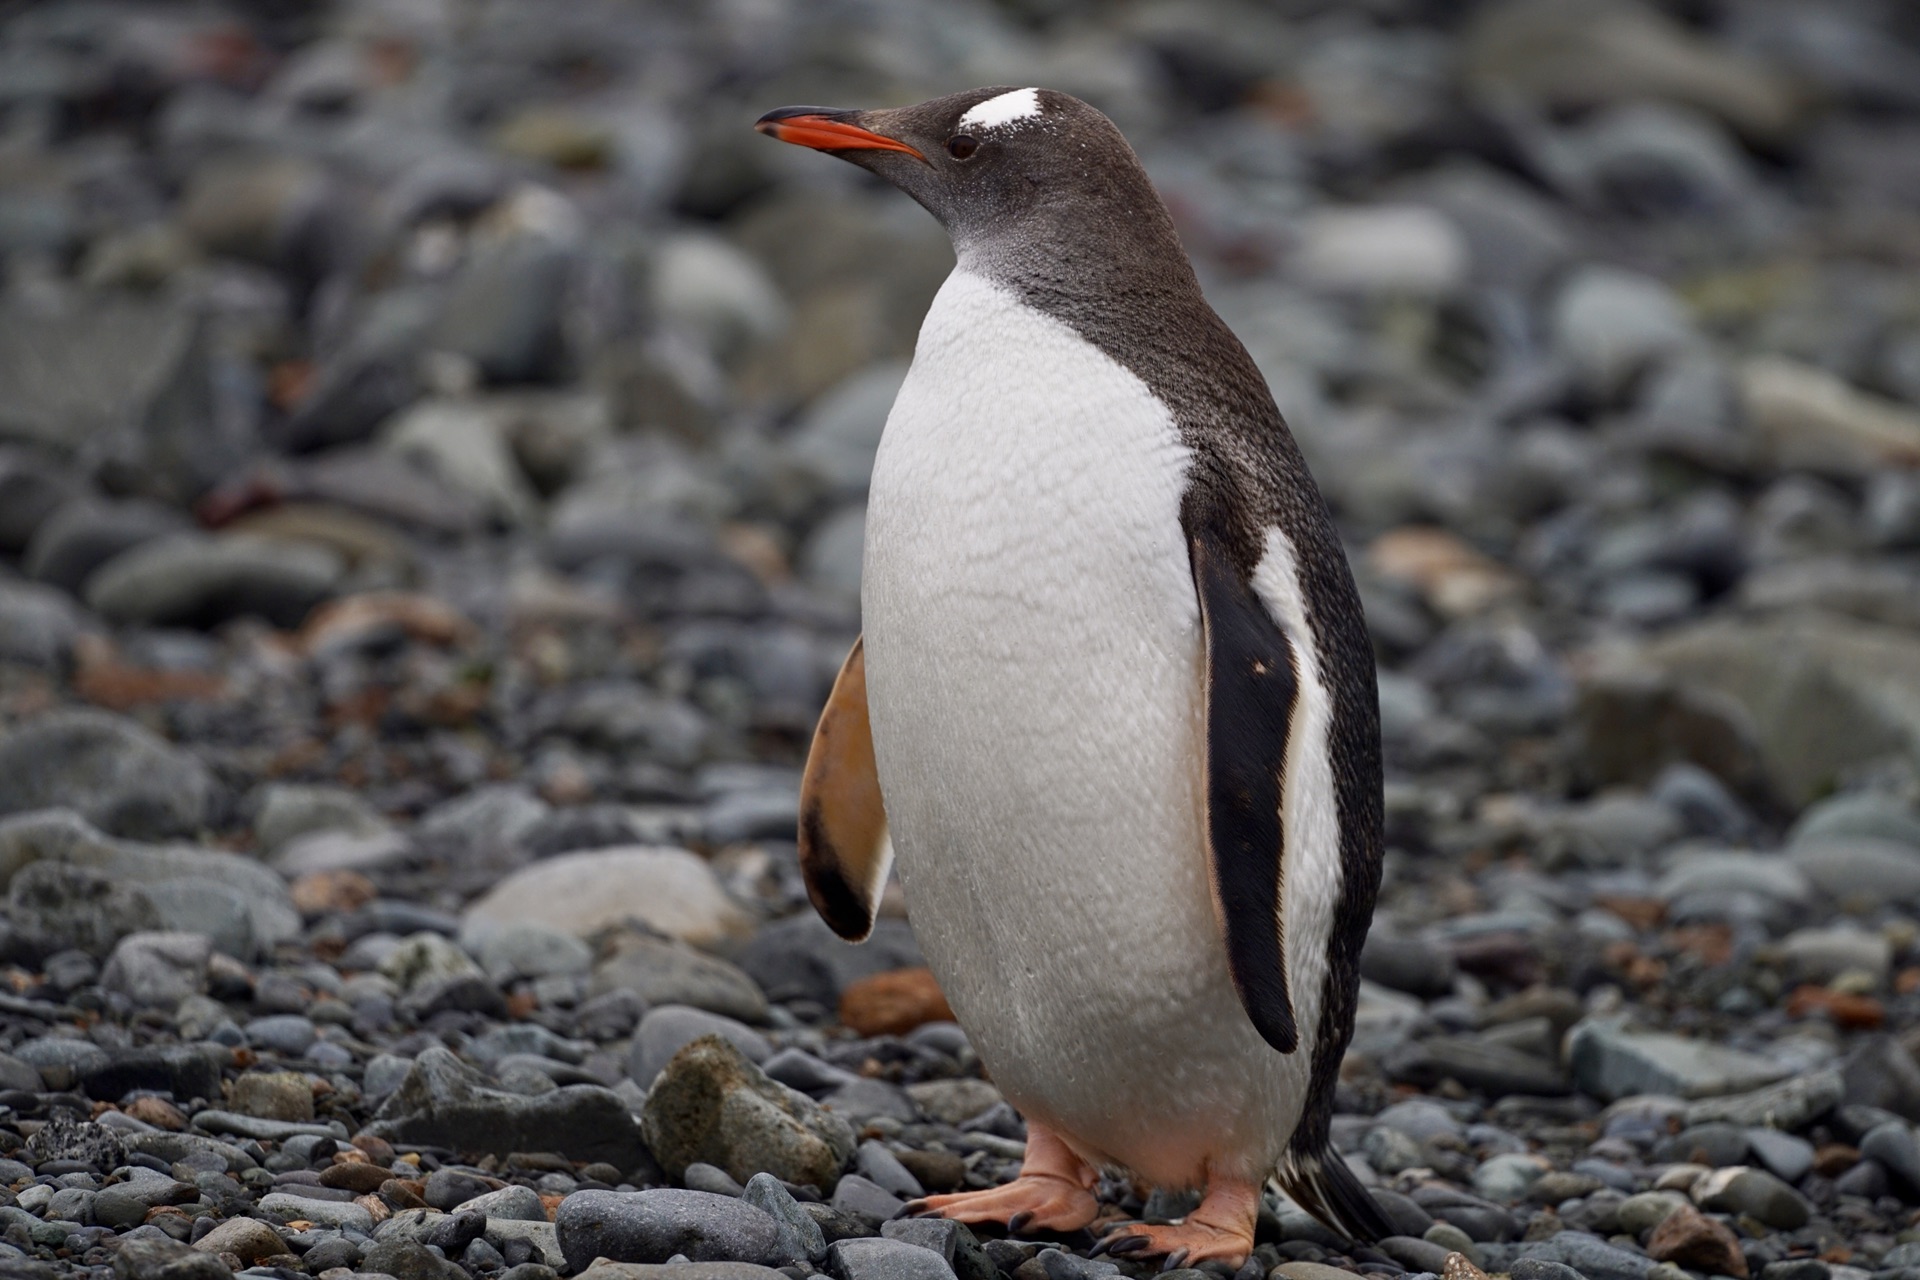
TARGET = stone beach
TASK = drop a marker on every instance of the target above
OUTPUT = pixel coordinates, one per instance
(434, 440)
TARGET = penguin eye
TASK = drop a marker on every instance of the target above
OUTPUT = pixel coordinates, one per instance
(962, 145)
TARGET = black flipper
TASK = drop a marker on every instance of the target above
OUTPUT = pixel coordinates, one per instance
(1251, 688)
(1325, 1187)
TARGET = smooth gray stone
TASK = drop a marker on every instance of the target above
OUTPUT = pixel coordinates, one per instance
(880, 1166)
(235, 1124)
(1612, 1062)
(653, 1226)
(863, 1198)
(442, 1102)
(520, 1204)
(1788, 1156)
(800, 1236)
(112, 771)
(348, 1217)
(667, 1029)
(882, 1259)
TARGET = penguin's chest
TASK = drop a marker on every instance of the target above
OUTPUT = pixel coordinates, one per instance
(1034, 675)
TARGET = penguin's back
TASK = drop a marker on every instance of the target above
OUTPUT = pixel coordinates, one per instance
(1034, 666)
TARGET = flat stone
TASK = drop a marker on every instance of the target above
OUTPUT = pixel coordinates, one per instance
(663, 972)
(326, 1213)
(190, 579)
(442, 1103)
(1755, 1192)
(113, 772)
(654, 1226)
(671, 891)
(1790, 1105)
(1611, 1062)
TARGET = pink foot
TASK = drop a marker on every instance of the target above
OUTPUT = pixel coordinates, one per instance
(1220, 1230)
(1054, 1192)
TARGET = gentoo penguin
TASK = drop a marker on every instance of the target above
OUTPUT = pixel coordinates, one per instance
(1115, 688)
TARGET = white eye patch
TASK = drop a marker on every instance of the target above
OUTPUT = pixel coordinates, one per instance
(1018, 104)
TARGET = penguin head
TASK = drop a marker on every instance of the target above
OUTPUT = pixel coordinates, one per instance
(991, 164)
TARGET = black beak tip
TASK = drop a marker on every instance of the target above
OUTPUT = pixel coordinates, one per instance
(778, 114)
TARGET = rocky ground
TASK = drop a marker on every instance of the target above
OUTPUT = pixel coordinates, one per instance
(435, 439)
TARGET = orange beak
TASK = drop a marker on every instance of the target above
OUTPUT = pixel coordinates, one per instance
(817, 127)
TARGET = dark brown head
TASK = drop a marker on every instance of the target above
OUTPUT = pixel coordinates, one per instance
(1001, 168)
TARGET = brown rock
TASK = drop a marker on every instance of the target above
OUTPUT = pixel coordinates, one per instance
(273, 1095)
(1453, 578)
(322, 892)
(355, 620)
(358, 1176)
(404, 1193)
(1834, 1159)
(249, 1239)
(376, 1149)
(157, 1112)
(1697, 1242)
(894, 1003)
(937, 1171)
(1460, 1267)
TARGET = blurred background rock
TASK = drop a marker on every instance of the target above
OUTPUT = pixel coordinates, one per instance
(434, 438)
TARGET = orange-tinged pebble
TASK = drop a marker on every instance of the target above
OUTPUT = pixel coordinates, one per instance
(551, 1204)
(1848, 1012)
(1907, 981)
(894, 1003)
(1834, 1159)
(322, 892)
(159, 1113)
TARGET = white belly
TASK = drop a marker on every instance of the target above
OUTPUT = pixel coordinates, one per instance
(1034, 671)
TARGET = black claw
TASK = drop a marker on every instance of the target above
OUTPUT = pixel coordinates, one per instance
(1175, 1260)
(1100, 1246)
(1129, 1244)
(1019, 1221)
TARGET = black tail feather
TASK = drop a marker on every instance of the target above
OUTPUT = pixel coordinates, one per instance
(1322, 1184)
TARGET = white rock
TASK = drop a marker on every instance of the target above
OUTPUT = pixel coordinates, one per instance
(668, 890)
(1808, 419)
(703, 283)
(158, 969)
(464, 442)
(1409, 249)
(1611, 323)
